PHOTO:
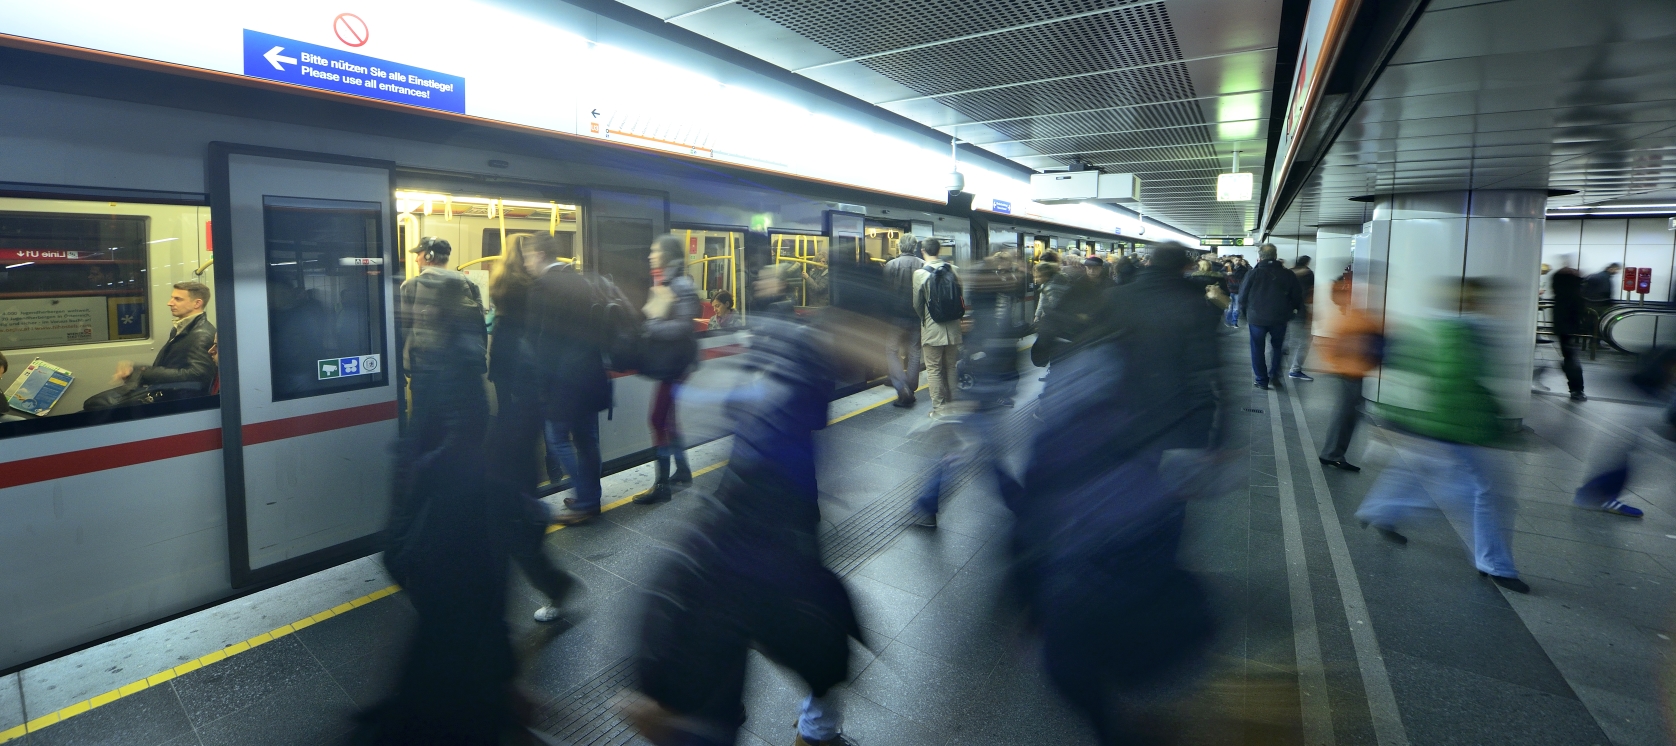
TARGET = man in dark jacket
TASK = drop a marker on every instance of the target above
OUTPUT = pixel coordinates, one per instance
(182, 368)
(1269, 297)
(1569, 325)
(445, 346)
(566, 369)
(902, 348)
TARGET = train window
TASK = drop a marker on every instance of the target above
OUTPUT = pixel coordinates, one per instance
(624, 248)
(811, 286)
(87, 320)
(325, 296)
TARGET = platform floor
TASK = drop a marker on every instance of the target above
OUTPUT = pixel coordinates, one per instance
(1329, 634)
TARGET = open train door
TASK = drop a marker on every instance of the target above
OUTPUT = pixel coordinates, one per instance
(305, 280)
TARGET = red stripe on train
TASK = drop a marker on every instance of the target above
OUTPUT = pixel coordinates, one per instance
(61, 465)
(308, 424)
(87, 461)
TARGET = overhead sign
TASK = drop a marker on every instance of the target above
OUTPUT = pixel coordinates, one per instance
(1005, 208)
(299, 63)
(340, 367)
(50, 256)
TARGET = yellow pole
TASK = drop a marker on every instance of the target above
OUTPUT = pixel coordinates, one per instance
(501, 213)
(552, 219)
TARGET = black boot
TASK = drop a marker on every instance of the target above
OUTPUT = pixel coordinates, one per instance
(660, 488)
(683, 476)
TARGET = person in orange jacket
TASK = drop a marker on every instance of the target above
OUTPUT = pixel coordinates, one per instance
(1355, 347)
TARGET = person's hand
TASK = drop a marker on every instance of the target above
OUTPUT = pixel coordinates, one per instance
(659, 302)
(124, 369)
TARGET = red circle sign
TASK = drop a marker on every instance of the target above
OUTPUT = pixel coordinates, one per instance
(350, 29)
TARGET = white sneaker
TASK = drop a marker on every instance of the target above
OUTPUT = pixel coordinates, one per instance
(547, 613)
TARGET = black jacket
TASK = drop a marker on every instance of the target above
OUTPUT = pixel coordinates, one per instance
(1270, 294)
(565, 364)
(184, 366)
(1597, 288)
(442, 327)
(1568, 302)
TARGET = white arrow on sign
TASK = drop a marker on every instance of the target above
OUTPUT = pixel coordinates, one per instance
(274, 58)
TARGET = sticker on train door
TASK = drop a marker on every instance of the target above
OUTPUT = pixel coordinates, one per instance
(339, 367)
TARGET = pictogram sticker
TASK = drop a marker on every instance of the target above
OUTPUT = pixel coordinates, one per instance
(350, 29)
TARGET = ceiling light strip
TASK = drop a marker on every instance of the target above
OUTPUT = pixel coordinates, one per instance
(714, 6)
(1211, 97)
(1121, 132)
(1145, 66)
(983, 34)
(1157, 147)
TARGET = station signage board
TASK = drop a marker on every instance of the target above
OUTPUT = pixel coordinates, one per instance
(316, 66)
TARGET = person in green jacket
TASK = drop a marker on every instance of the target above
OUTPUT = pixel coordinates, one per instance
(1454, 426)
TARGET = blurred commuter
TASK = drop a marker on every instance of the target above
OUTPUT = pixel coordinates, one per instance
(1301, 330)
(1124, 270)
(1446, 445)
(1237, 275)
(671, 352)
(1352, 348)
(509, 289)
(1101, 519)
(1648, 430)
(1600, 288)
(445, 346)
(749, 575)
(567, 370)
(938, 300)
(1051, 287)
(904, 359)
(724, 318)
(970, 436)
(1206, 274)
(1570, 315)
(1269, 298)
(182, 368)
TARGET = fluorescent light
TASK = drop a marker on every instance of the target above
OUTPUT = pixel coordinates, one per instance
(163, 240)
(1234, 187)
(15, 266)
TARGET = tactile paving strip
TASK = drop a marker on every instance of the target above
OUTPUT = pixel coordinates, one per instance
(590, 714)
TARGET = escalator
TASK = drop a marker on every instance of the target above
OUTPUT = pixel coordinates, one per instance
(1639, 328)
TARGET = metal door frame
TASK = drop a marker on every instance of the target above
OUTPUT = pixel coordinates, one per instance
(218, 178)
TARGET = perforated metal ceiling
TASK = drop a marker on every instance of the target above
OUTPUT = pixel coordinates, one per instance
(1116, 84)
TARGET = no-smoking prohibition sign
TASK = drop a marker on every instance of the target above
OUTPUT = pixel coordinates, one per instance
(350, 29)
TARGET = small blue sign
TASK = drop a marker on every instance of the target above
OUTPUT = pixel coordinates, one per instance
(1005, 208)
(290, 61)
(130, 319)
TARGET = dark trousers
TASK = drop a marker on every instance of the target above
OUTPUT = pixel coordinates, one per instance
(1346, 410)
(1266, 370)
(902, 359)
(573, 444)
(521, 518)
(1570, 347)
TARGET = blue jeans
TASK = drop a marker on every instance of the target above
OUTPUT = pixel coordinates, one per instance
(903, 343)
(1458, 477)
(1264, 370)
(971, 441)
(574, 445)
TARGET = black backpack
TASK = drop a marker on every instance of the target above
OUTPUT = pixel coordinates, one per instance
(616, 322)
(447, 329)
(943, 296)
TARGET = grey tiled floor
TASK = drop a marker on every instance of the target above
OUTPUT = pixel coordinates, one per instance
(946, 661)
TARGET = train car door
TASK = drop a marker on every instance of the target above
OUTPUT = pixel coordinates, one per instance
(309, 397)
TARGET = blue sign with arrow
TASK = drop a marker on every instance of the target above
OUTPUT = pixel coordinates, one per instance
(290, 61)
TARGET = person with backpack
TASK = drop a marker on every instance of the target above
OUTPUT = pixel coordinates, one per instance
(566, 367)
(1269, 297)
(902, 348)
(444, 351)
(670, 354)
(939, 302)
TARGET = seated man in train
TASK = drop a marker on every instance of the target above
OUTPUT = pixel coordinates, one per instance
(183, 367)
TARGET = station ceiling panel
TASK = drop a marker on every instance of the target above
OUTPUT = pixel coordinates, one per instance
(1517, 94)
(1168, 89)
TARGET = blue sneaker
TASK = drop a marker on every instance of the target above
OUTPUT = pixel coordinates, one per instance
(1613, 506)
(1300, 375)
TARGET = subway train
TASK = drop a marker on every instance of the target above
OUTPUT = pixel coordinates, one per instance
(117, 517)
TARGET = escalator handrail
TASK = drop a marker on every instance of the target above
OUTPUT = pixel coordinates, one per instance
(1619, 313)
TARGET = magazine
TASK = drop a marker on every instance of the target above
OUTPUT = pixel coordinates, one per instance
(38, 387)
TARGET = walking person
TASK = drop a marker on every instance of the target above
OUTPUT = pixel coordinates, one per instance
(509, 289)
(1447, 445)
(938, 300)
(567, 369)
(1351, 349)
(445, 348)
(1301, 329)
(671, 352)
(1269, 298)
(749, 575)
(903, 356)
(1644, 429)
(1570, 314)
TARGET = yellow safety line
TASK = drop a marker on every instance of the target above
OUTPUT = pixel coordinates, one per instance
(238, 647)
(189, 666)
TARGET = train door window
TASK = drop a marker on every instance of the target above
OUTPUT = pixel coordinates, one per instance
(625, 246)
(715, 262)
(85, 297)
(809, 286)
(325, 296)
